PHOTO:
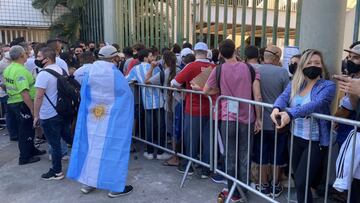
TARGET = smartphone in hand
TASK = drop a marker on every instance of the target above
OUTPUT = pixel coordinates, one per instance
(278, 120)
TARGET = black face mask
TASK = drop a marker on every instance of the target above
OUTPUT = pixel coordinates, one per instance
(352, 68)
(312, 72)
(92, 49)
(39, 63)
(292, 68)
(135, 56)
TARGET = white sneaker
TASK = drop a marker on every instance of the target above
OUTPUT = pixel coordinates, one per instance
(87, 189)
(148, 156)
(65, 158)
(163, 156)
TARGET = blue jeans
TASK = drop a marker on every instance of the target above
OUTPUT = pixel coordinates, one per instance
(155, 124)
(64, 147)
(192, 130)
(178, 120)
(55, 129)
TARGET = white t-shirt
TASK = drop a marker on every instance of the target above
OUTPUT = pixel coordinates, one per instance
(79, 74)
(30, 64)
(48, 82)
(62, 64)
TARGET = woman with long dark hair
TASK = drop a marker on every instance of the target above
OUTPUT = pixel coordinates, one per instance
(164, 78)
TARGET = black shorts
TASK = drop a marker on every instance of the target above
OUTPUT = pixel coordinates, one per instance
(268, 148)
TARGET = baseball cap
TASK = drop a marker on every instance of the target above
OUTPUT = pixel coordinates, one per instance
(185, 51)
(274, 50)
(201, 46)
(55, 40)
(107, 51)
(354, 50)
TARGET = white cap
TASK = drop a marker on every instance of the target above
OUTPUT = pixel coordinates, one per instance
(186, 51)
(209, 54)
(107, 51)
(201, 46)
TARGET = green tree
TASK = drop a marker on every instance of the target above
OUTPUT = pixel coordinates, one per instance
(68, 24)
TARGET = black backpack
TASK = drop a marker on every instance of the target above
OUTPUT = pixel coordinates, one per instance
(68, 100)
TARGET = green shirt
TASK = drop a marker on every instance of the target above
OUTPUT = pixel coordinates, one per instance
(17, 79)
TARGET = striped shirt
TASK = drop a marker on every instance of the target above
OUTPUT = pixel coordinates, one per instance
(302, 125)
(151, 98)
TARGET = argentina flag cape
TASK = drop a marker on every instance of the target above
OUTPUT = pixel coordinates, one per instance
(101, 147)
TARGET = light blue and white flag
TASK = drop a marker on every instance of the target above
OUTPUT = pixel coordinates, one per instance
(101, 148)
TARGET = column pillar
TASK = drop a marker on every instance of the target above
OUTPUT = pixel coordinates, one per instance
(109, 21)
(322, 27)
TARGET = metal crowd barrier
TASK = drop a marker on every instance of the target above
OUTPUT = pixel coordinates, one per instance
(155, 140)
(142, 136)
(246, 185)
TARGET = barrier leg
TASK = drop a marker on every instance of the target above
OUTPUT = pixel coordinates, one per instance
(231, 192)
(185, 174)
(242, 194)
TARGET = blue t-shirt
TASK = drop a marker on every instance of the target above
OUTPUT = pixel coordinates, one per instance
(151, 98)
(302, 125)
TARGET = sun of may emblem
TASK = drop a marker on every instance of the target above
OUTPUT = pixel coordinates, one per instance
(98, 111)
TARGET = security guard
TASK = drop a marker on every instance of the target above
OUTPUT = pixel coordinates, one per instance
(20, 87)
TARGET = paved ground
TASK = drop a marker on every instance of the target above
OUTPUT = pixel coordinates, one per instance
(152, 182)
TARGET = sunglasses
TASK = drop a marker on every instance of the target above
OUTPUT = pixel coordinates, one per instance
(273, 53)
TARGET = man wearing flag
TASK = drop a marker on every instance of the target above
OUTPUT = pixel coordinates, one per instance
(100, 152)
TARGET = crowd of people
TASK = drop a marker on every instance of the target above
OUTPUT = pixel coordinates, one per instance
(33, 73)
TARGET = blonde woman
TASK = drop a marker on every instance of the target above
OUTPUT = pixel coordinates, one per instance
(308, 93)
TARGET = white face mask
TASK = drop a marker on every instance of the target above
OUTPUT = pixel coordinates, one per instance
(31, 53)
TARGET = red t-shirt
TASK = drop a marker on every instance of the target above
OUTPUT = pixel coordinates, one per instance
(131, 65)
(184, 77)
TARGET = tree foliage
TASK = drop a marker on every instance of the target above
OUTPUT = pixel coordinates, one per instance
(68, 24)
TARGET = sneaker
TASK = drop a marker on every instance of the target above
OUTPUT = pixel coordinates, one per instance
(87, 189)
(163, 156)
(29, 161)
(225, 193)
(148, 156)
(219, 179)
(127, 190)
(264, 188)
(39, 141)
(278, 190)
(182, 167)
(65, 158)
(51, 175)
(205, 173)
